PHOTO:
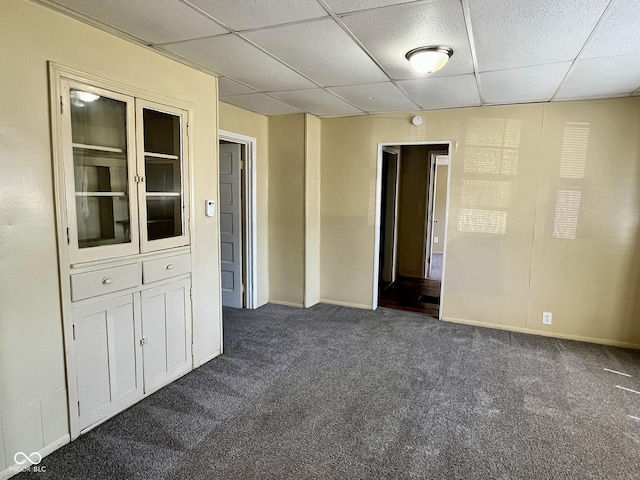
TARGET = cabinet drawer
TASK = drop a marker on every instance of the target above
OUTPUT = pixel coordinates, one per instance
(155, 270)
(92, 284)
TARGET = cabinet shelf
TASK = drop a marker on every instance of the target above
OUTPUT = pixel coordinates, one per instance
(98, 148)
(161, 220)
(161, 155)
(101, 194)
(99, 242)
(163, 194)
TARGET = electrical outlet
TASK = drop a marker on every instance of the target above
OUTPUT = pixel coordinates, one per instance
(546, 318)
(435, 239)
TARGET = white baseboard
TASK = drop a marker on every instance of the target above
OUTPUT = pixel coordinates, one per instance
(286, 304)
(361, 306)
(44, 451)
(531, 331)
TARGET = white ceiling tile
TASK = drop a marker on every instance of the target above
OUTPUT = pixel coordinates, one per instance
(242, 15)
(329, 56)
(230, 55)
(343, 6)
(521, 85)
(378, 97)
(154, 21)
(227, 87)
(598, 77)
(260, 103)
(318, 102)
(616, 34)
(443, 92)
(512, 34)
(389, 33)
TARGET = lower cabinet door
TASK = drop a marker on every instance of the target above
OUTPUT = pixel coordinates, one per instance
(166, 333)
(107, 358)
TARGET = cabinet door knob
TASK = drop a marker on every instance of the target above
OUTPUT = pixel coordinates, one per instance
(107, 281)
(169, 266)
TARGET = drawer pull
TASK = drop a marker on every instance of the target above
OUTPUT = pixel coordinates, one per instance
(169, 266)
(107, 281)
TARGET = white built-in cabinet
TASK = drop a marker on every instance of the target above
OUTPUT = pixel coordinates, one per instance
(122, 198)
(107, 359)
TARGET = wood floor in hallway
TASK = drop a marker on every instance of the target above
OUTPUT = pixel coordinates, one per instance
(413, 294)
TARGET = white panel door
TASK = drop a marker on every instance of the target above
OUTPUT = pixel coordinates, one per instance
(108, 358)
(230, 225)
(166, 333)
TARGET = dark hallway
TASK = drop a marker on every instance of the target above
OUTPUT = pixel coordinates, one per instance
(412, 294)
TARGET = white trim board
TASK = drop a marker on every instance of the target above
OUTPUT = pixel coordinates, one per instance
(286, 304)
(250, 211)
(339, 303)
(531, 331)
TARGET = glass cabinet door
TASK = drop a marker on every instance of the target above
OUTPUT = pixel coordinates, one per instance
(101, 210)
(163, 210)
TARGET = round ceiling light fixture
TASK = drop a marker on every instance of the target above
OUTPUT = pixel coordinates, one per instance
(429, 59)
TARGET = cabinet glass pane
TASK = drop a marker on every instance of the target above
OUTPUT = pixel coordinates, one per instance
(98, 126)
(163, 174)
(164, 217)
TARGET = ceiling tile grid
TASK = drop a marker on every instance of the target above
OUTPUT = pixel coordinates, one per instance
(346, 6)
(593, 77)
(329, 57)
(227, 86)
(260, 103)
(318, 102)
(443, 92)
(376, 98)
(347, 57)
(389, 33)
(618, 33)
(506, 86)
(232, 56)
(153, 21)
(523, 33)
(247, 14)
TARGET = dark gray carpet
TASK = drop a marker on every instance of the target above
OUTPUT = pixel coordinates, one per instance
(333, 392)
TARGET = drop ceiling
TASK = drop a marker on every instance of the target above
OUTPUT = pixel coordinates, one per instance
(346, 57)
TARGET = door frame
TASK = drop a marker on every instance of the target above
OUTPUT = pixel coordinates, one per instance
(436, 159)
(249, 205)
(394, 247)
(378, 208)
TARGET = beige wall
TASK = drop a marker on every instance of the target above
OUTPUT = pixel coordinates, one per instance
(412, 205)
(440, 207)
(589, 173)
(312, 210)
(244, 122)
(33, 411)
(503, 264)
(287, 209)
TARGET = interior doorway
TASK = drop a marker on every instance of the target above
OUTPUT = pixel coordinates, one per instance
(411, 219)
(438, 176)
(237, 219)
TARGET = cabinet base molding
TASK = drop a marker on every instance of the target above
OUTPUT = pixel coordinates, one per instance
(202, 361)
